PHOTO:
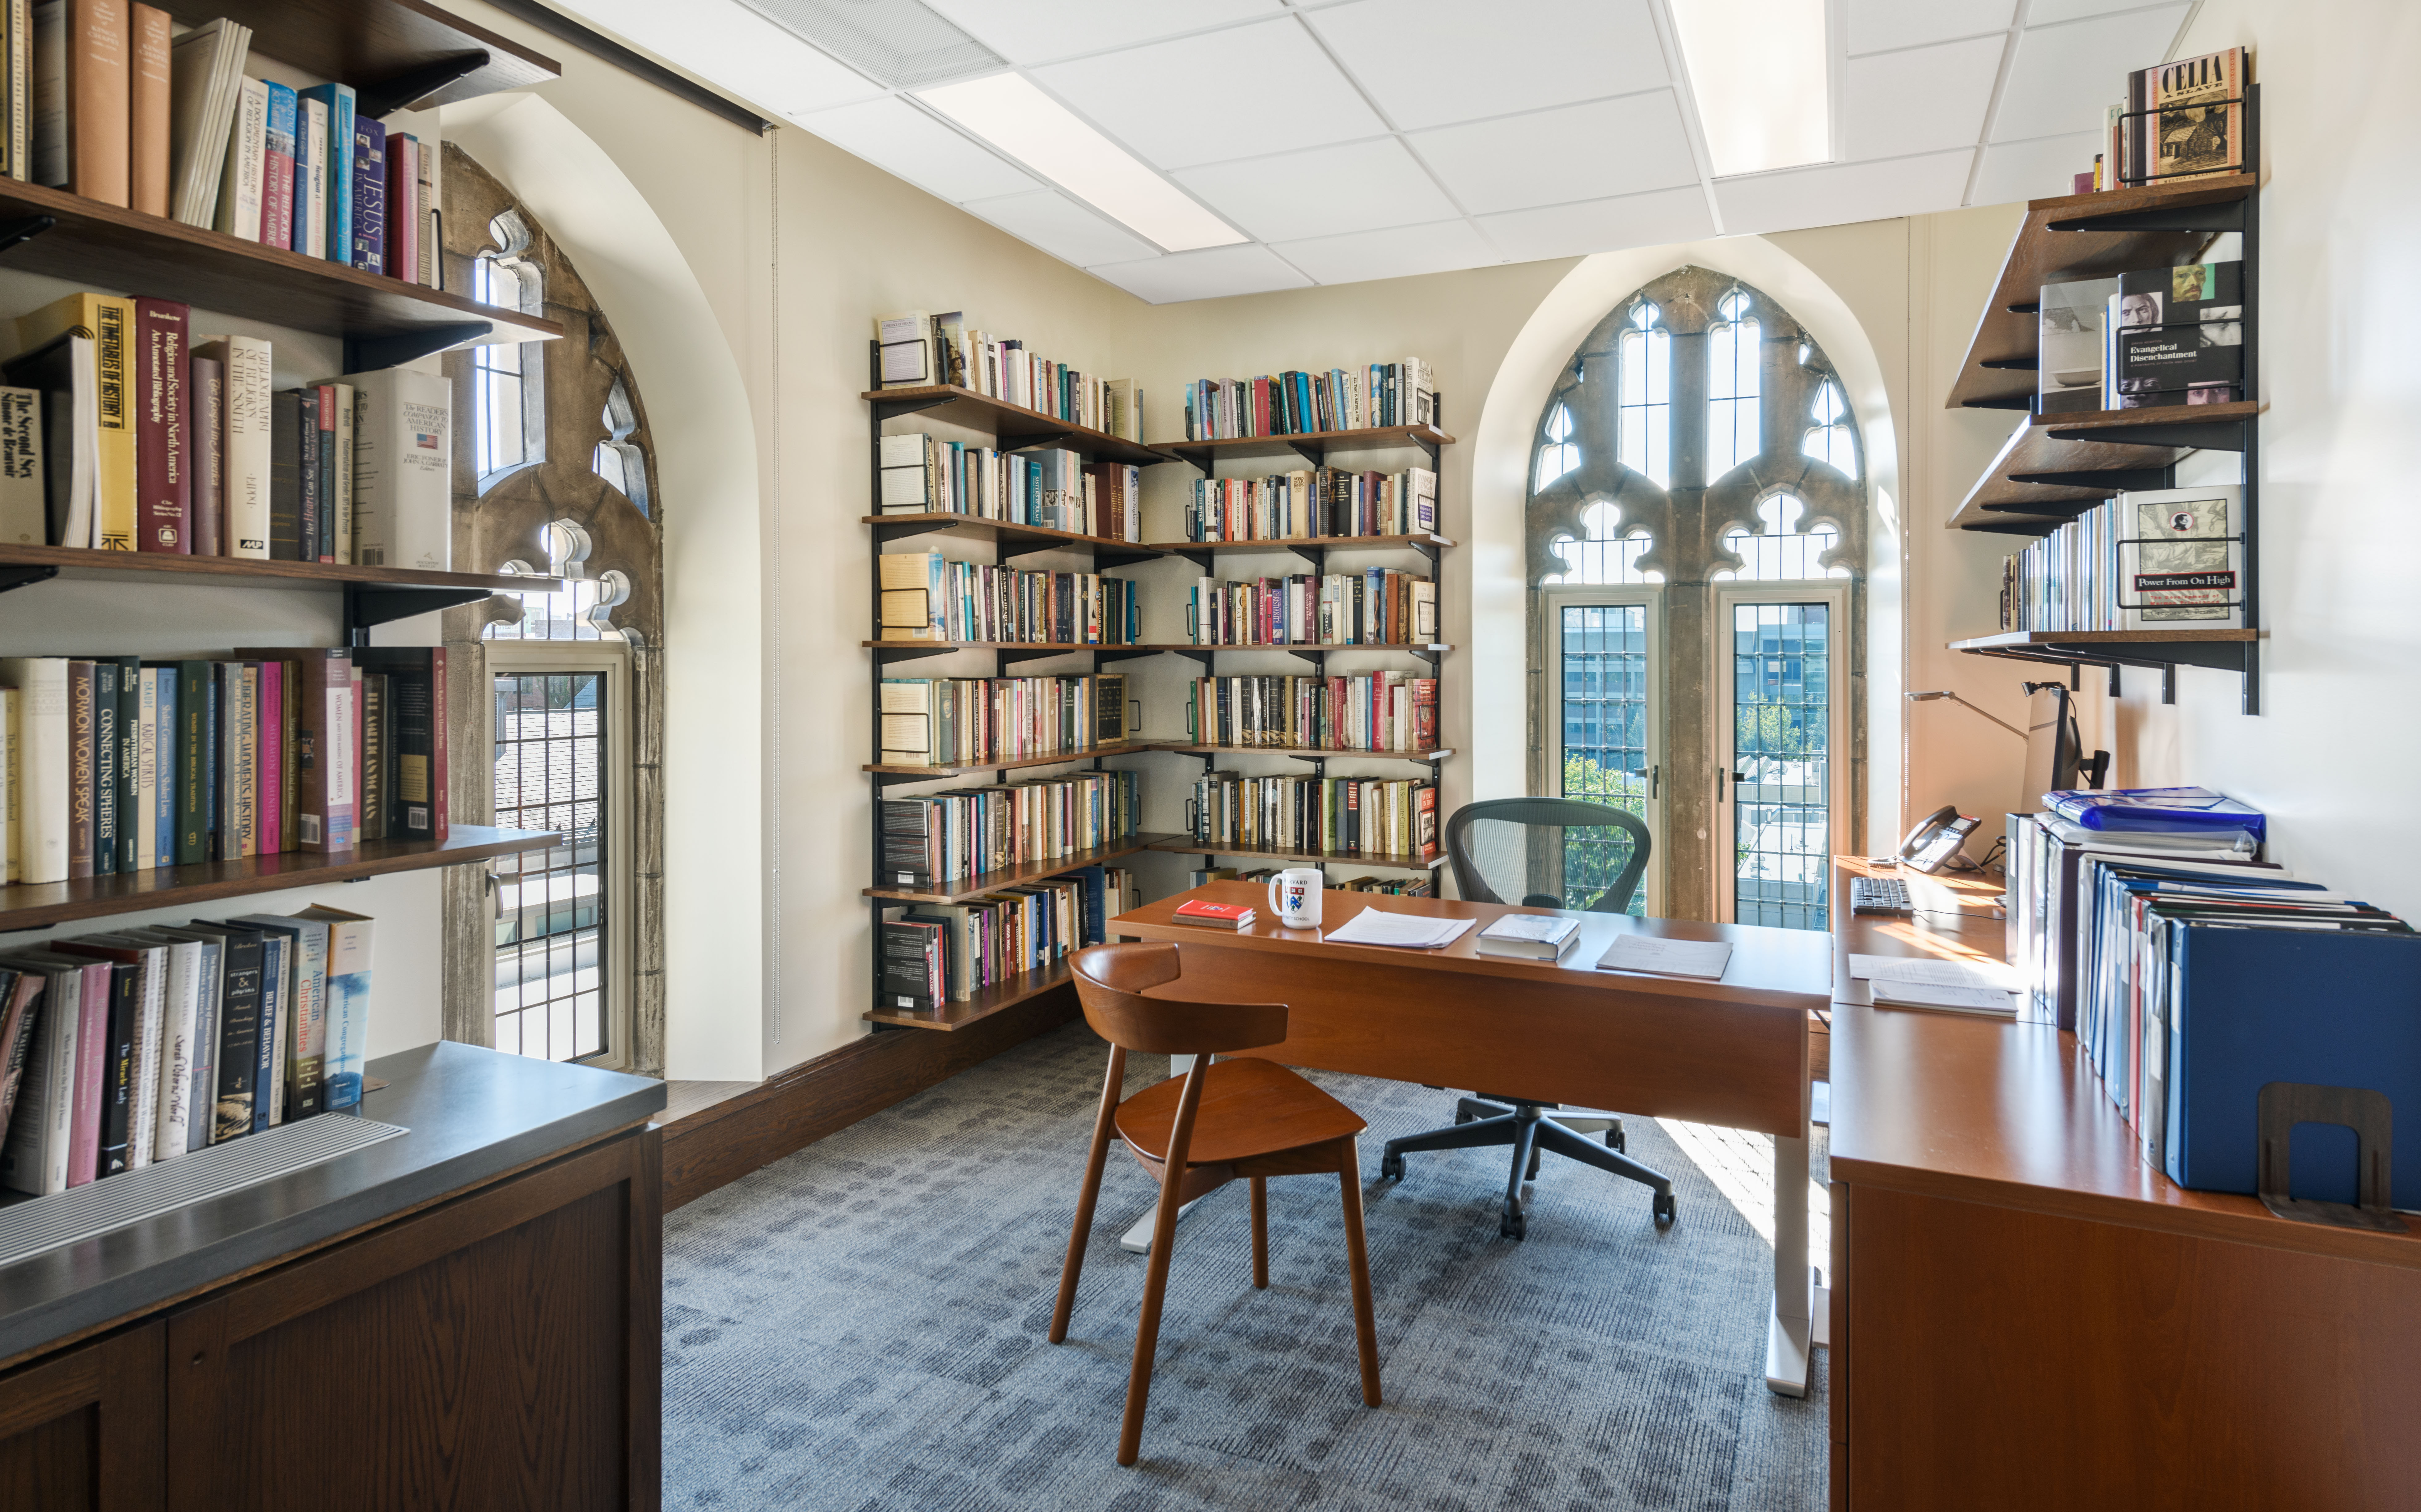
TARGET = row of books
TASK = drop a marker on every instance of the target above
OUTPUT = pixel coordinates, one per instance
(2180, 121)
(120, 765)
(1370, 711)
(918, 348)
(1418, 884)
(2149, 338)
(931, 721)
(1330, 815)
(938, 953)
(927, 597)
(1310, 503)
(1052, 487)
(1296, 403)
(2151, 559)
(948, 836)
(107, 101)
(122, 432)
(1380, 606)
(143, 1045)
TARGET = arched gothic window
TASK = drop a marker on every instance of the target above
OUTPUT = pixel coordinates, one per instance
(1735, 349)
(1645, 395)
(1603, 552)
(1558, 453)
(508, 378)
(1783, 552)
(1829, 440)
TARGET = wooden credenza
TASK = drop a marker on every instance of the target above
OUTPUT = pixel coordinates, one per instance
(2028, 1315)
(466, 1316)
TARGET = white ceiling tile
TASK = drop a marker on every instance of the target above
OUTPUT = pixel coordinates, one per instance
(1062, 228)
(1875, 24)
(2040, 169)
(1400, 252)
(1325, 192)
(1212, 273)
(1601, 225)
(2063, 78)
(1841, 195)
(1921, 100)
(736, 48)
(1428, 62)
(1554, 157)
(2049, 12)
(1233, 94)
(1037, 31)
(898, 138)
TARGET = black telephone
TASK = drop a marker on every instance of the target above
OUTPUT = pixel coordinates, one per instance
(1936, 840)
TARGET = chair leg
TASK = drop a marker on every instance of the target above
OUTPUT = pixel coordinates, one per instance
(1155, 1285)
(1261, 1233)
(1357, 1262)
(1102, 1128)
(1474, 1135)
(1525, 1144)
(1468, 1108)
(1554, 1136)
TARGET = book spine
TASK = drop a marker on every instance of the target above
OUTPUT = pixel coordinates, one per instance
(165, 768)
(243, 719)
(402, 208)
(278, 169)
(206, 426)
(277, 1010)
(164, 485)
(39, 1157)
(204, 1094)
(18, 127)
(283, 518)
(369, 243)
(239, 1050)
(268, 747)
(309, 1045)
(324, 740)
(376, 723)
(192, 763)
(80, 796)
(440, 826)
(100, 48)
(172, 1122)
(129, 709)
(306, 484)
(151, 1026)
(148, 112)
(114, 488)
(318, 541)
(348, 1012)
(117, 1083)
(310, 236)
(340, 534)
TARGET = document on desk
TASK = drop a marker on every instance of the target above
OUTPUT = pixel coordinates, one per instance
(1667, 958)
(1409, 931)
(1989, 975)
(1988, 1001)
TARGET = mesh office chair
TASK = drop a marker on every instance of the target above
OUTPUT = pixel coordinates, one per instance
(1557, 853)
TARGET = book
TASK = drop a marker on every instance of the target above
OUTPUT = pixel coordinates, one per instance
(378, 740)
(206, 384)
(163, 478)
(11, 831)
(306, 1042)
(241, 188)
(17, 121)
(904, 348)
(37, 1155)
(277, 166)
(276, 1006)
(191, 763)
(183, 1100)
(147, 769)
(320, 465)
(401, 479)
(269, 744)
(431, 270)
(108, 320)
(347, 1037)
(336, 521)
(914, 963)
(19, 994)
(1535, 936)
(310, 175)
(325, 760)
(337, 172)
(238, 1051)
(147, 111)
(24, 508)
(403, 207)
(2196, 123)
(205, 66)
(368, 246)
(2184, 564)
(163, 810)
(105, 783)
(1214, 915)
(288, 432)
(86, 109)
(64, 375)
(81, 755)
(202, 1085)
(416, 768)
(2069, 343)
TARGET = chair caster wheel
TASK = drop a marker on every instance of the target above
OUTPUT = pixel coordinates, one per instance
(1512, 1226)
(1615, 1142)
(1664, 1209)
(1461, 1117)
(1391, 1167)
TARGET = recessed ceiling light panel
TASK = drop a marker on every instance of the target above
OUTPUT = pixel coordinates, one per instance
(1761, 72)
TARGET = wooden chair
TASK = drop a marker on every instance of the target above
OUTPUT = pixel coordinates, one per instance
(1250, 1118)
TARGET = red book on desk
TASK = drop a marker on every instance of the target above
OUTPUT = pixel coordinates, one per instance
(1214, 915)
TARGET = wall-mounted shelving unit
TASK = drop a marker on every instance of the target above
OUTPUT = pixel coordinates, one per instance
(2058, 465)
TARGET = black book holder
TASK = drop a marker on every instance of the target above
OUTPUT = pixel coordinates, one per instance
(2363, 1110)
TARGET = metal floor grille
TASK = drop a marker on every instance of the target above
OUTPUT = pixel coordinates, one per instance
(98, 1208)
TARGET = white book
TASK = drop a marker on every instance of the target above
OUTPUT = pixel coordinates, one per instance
(204, 66)
(311, 196)
(905, 348)
(34, 1157)
(147, 769)
(11, 866)
(243, 441)
(24, 513)
(403, 500)
(238, 207)
(41, 684)
(173, 1101)
(202, 1083)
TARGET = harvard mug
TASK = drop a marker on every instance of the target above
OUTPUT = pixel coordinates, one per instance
(1294, 896)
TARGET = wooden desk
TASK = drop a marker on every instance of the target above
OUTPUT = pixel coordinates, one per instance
(1732, 1053)
(2024, 1314)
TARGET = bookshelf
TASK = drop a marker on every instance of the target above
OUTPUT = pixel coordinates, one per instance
(373, 595)
(2056, 466)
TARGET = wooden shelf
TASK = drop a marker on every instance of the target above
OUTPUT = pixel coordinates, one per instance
(1014, 538)
(1424, 541)
(2077, 236)
(985, 1003)
(1313, 447)
(1311, 753)
(382, 320)
(252, 572)
(1060, 759)
(41, 904)
(1039, 648)
(2054, 466)
(1188, 846)
(1417, 647)
(2225, 650)
(992, 881)
(394, 53)
(953, 405)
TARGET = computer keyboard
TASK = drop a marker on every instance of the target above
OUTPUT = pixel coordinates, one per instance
(1878, 895)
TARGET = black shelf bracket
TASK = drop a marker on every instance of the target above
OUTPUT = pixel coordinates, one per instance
(890, 531)
(368, 604)
(406, 90)
(2115, 479)
(909, 652)
(2003, 401)
(897, 409)
(13, 232)
(1049, 436)
(2221, 436)
(365, 353)
(1124, 653)
(2030, 363)
(17, 576)
(1313, 452)
(2227, 215)
(1017, 658)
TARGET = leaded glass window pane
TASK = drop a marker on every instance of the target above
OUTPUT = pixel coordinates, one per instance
(1734, 344)
(1559, 453)
(1644, 396)
(1783, 553)
(1603, 554)
(1828, 441)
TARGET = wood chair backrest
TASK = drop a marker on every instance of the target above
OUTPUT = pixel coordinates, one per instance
(1112, 979)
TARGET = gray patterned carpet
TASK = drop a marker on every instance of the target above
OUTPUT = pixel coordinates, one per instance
(860, 1327)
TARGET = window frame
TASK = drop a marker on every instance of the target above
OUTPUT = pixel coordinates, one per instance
(1721, 727)
(1554, 602)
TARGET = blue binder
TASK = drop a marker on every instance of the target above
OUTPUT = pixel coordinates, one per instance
(2330, 1008)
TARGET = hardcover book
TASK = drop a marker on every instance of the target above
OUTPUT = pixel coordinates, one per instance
(162, 479)
(346, 1038)
(2185, 566)
(108, 321)
(24, 508)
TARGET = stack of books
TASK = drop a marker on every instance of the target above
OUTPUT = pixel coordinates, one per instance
(2179, 121)
(146, 1044)
(938, 838)
(1051, 487)
(1323, 815)
(1377, 607)
(1311, 503)
(2148, 559)
(938, 953)
(918, 348)
(1372, 711)
(1296, 403)
(940, 722)
(927, 597)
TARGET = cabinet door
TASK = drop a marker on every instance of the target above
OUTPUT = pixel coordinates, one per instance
(501, 1349)
(80, 1431)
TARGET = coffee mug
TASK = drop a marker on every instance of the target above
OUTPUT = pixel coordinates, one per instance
(1294, 896)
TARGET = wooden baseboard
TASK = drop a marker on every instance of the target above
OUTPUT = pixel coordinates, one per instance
(788, 1112)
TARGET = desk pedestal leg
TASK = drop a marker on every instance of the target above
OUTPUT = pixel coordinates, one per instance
(1787, 1329)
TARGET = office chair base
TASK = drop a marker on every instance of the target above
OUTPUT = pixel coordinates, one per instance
(1481, 1125)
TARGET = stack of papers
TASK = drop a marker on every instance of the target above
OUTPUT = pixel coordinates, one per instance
(1962, 987)
(1668, 958)
(1413, 931)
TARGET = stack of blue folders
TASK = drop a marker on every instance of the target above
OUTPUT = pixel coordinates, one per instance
(2199, 984)
(2185, 814)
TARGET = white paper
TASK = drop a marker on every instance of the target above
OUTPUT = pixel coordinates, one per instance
(1934, 995)
(1539, 926)
(1377, 926)
(1993, 977)
(1671, 957)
